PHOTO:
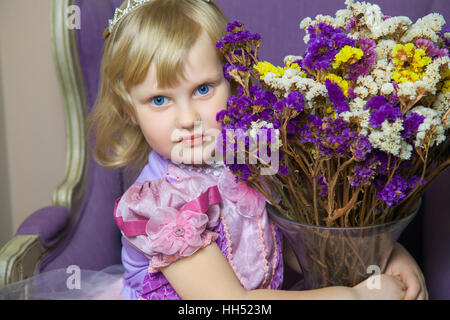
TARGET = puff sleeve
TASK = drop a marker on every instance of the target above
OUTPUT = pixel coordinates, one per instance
(165, 222)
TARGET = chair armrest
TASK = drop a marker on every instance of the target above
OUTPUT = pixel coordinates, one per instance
(19, 258)
(48, 224)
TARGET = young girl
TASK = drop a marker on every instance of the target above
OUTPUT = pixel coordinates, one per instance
(189, 230)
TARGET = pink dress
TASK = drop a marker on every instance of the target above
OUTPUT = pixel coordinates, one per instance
(168, 218)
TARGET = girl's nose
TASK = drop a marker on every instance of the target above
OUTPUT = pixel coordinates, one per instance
(187, 117)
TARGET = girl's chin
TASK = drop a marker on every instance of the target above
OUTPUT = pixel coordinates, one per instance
(192, 158)
(200, 154)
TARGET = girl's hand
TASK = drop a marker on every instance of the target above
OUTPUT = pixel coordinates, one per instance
(403, 265)
(380, 287)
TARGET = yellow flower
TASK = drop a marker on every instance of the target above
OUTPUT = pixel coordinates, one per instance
(446, 87)
(330, 112)
(445, 78)
(264, 67)
(409, 63)
(341, 82)
(347, 54)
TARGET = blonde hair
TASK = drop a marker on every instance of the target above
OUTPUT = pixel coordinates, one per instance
(159, 31)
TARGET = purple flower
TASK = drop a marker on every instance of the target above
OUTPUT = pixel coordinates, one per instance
(351, 24)
(411, 123)
(323, 185)
(361, 147)
(412, 183)
(228, 68)
(351, 93)
(325, 42)
(319, 54)
(381, 111)
(397, 189)
(284, 170)
(294, 101)
(384, 112)
(368, 60)
(361, 176)
(233, 25)
(394, 192)
(236, 34)
(238, 38)
(334, 137)
(431, 49)
(442, 35)
(393, 99)
(305, 135)
(382, 159)
(375, 102)
(336, 96)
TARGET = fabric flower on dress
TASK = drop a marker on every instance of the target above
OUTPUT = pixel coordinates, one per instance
(176, 232)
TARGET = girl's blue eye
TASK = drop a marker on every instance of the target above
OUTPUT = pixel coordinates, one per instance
(159, 101)
(203, 89)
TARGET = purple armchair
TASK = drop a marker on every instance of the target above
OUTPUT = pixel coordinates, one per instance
(80, 230)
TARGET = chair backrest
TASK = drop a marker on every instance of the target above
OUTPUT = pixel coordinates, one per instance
(94, 239)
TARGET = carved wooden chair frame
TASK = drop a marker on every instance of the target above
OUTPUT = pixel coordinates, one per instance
(20, 257)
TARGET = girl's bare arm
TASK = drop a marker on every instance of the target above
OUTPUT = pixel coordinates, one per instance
(207, 275)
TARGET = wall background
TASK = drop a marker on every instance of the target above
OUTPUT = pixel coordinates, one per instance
(32, 129)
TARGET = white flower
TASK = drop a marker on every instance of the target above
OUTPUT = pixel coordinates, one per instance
(426, 27)
(382, 73)
(434, 21)
(369, 83)
(361, 92)
(358, 8)
(432, 125)
(291, 58)
(387, 88)
(411, 90)
(305, 23)
(442, 103)
(373, 18)
(256, 128)
(384, 48)
(358, 111)
(405, 150)
(342, 18)
(390, 26)
(432, 73)
(389, 138)
(354, 35)
(306, 38)
(311, 88)
(321, 18)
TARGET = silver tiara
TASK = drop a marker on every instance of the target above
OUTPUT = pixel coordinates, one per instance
(131, 5)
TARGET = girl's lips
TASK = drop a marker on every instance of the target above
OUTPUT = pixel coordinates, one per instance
(192, 141)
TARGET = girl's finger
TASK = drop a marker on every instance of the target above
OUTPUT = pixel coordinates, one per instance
(423, 285)
(413, 291)
(421, 296)
(426, 294)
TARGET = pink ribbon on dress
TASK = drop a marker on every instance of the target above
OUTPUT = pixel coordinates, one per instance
(200, 204)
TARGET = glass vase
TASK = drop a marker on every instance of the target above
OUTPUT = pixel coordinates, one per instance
(330, 256)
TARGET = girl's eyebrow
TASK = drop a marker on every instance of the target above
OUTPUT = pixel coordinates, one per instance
(212, 79)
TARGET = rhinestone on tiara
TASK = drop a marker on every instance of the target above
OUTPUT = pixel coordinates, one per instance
(119, 14)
